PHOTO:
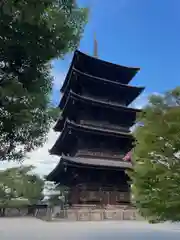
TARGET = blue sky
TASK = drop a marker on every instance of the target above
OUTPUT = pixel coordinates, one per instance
(143, 33)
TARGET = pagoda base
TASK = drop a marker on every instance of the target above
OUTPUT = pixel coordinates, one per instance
(93, 213)
(108, 207)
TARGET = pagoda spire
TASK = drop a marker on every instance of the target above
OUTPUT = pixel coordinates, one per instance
(95, 51)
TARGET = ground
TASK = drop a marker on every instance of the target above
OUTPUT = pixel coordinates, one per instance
(33, 229)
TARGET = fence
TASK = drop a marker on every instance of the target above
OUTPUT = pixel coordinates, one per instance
(23, 211)
(95, 214)
(70, 214)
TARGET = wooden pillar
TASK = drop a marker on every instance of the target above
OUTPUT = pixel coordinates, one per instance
(74, 197)
(105, 197)
(101, 196)
(113, 197)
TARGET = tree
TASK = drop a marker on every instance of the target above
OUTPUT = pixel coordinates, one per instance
(20, 182)
(32, 34)
(156, 158)
(33, 186)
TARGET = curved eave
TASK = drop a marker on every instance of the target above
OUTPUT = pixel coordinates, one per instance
(56, 171)
(97, 130)
(107, 105)
(115, 71)
(53, 150)
(132, 92)
(104, 80)
(86, 162)
(115, 106)
(103, 62)
(135, 90)
(69, 125)
(59, 124)
(69, 72)
(95, 162)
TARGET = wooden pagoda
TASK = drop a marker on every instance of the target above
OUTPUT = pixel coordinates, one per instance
(95, 131)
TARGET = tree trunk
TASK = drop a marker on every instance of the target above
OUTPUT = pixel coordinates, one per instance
(2, 212)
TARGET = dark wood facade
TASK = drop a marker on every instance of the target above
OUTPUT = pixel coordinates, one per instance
(95, 131)
(99, 89)
(89, 183)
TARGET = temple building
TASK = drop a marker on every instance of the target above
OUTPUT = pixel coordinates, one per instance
(95, 131)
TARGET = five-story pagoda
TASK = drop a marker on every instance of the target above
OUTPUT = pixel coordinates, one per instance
(95, 131)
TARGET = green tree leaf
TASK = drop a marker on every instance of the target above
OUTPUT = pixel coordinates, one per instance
(20, 182)
(156, 175)
(32, 33)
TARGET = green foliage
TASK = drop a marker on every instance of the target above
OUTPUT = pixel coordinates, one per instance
(19, 182)
(38, 31)
(32, 33)
(156, 175)
(25, 120)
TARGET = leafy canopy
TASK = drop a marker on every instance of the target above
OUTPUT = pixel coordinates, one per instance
(32, 33)
(20, 182)
(156, 175)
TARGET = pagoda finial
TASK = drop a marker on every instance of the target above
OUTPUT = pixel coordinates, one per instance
(95, 53)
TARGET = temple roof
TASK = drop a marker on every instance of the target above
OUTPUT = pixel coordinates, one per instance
(96, 162)
(86, 163)
(128, 113)
(95, 130)
(100, 68)
(123, 92)
(116, 106)
(70, 126)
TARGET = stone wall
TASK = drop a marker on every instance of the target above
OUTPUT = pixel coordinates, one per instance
(84, 214)
(43, 213)
(14, 212)
(23, 211)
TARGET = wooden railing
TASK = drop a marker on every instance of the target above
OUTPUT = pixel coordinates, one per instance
(100, 154)
(105, 187)
(104, 99)
(105, 125)
(99, 195)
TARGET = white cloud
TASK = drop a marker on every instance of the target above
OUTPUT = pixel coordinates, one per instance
(58, 75)
(141, 101)
(58, 79)
(40, 158)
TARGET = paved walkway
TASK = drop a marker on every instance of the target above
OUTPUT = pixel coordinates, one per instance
(33, 229)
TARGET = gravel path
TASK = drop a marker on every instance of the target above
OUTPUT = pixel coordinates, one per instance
(33, 229)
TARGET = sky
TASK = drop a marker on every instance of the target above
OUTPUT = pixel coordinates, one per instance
(138, 33)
